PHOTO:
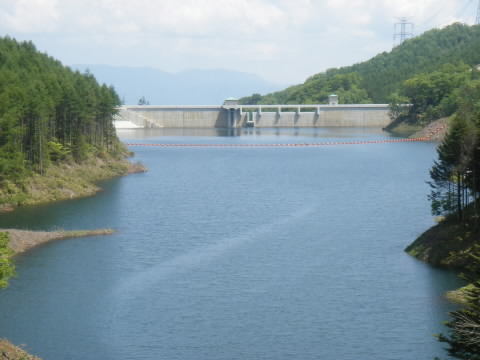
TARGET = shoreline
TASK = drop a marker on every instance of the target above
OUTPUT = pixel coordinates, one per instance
(66, 181)
(21, 241)
(9, 351)
(435, 131)
(432, 132)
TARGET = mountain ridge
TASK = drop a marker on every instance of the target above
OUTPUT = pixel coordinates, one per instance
(191, 86)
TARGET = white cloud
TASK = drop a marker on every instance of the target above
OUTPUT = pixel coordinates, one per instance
(182, 18)
(30, 15)
(174, 17)
(261, 36)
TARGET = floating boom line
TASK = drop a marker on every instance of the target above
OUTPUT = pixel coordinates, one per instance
(418, 139)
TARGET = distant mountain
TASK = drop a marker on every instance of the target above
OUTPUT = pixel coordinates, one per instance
(191, 87)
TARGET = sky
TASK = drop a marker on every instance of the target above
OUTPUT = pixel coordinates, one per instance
(283, 41)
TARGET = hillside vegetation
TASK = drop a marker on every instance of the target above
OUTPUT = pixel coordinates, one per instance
(52, 120)
(376, 80)
(455, 181)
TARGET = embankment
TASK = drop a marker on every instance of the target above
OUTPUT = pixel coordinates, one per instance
(434, 131)
(447, 244)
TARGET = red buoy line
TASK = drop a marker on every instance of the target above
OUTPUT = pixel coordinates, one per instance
(425, 138)
(278, 145)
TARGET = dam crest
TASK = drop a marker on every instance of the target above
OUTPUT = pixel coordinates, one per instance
(233, 115)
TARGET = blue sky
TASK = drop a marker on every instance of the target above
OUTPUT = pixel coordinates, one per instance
(284, 41)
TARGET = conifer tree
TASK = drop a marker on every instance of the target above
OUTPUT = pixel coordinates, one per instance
(450, 190)
(48, 111)
(464, 339)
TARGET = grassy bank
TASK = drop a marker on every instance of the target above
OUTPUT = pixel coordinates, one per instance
(459, 296)
(66, 180)
(9, 351)
(447, 244)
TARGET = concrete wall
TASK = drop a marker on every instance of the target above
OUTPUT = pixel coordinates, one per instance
(242, 116)
(175, 116)
(336, 116)
(323, 116)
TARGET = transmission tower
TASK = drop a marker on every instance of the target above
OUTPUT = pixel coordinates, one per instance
(402, 30)
(477, 22)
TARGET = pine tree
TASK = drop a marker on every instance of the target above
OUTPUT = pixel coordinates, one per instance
(450, 186)
(48, 111)
(464, 339)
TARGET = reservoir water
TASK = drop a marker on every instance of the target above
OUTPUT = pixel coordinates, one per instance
(238, 253)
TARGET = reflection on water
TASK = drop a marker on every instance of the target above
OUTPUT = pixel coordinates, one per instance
(149, 133)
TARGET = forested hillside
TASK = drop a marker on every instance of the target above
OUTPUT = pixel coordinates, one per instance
(455, 176)
(451, 91)
(375, 80)
(49, 114)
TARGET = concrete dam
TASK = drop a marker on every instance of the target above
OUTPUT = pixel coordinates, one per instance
(233, 115)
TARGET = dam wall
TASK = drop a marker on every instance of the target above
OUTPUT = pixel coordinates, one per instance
(324, 116)
(237, 116)
(174, 116)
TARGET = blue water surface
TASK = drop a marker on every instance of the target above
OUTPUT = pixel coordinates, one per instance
(238, 253)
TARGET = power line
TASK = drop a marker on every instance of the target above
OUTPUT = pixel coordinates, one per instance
(460, 13)
(440, 10)
(458, 9)
(477, 21)
(405, 30)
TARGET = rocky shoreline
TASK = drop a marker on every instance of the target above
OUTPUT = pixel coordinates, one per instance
(435, 131)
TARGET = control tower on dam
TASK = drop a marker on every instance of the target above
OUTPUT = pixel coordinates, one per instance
(233, 115)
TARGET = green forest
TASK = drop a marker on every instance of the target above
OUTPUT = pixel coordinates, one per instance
(376, 80)
(48, 114)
